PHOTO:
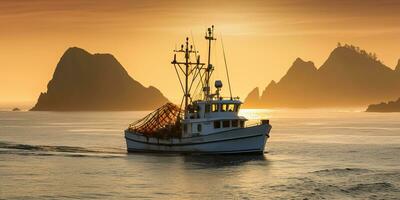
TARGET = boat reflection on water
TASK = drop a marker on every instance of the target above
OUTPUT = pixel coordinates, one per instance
(202, 161)
(220, 161)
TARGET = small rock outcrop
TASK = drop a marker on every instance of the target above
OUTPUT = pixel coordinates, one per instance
(391, 106)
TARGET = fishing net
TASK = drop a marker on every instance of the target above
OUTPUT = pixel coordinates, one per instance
(163, 122)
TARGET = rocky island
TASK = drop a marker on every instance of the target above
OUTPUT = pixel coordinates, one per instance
(391, 106)
(350, 77)
(84, 81)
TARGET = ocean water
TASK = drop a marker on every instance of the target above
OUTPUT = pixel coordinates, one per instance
(312, 154)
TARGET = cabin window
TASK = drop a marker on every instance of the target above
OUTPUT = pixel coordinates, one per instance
(231, 107)
(225, 124)
(185, 127)
(223, 107)
(207, 108)
(215, 107)
(198, 127)
(217, 124)
(235, 123)
(242, 124)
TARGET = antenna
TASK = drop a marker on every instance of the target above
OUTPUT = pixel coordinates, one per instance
(194, 44)
(226, 67)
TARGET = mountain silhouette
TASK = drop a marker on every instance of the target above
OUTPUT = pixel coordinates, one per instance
(252, 98)
(391, 106)
(84, 81)
(349, 77)
(397, 69)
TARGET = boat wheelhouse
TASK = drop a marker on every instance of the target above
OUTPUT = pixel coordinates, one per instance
(208, 117)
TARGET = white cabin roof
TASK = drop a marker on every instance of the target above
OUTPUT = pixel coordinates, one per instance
(221, 101)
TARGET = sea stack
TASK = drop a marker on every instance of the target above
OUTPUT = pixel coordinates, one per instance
(84, 81)
(350, 77)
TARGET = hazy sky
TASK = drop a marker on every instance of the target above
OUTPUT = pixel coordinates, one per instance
(262, 38)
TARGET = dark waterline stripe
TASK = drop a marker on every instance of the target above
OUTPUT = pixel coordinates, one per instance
(186, 144)
(198, 152)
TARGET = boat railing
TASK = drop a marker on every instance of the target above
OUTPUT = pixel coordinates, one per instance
(252, 124)
(263, 121)
(227, 98)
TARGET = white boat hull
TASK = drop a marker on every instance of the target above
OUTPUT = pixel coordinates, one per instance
(242, 140)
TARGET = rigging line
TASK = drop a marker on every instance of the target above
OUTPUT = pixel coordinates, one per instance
(180, 107)
(226, 67)
(193, 80)
(201, 81)
(201, 78)
(195, 91)
(196, 74)
(197, 87)
(193, 69)
(194, 45)
(179, 78)
(199, 67)
(183, 71)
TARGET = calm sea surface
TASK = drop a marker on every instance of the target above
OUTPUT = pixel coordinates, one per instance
(317, 154)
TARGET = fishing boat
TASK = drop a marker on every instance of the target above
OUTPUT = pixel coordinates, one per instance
(207, 124)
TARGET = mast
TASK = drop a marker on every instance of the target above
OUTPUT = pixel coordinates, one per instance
(187, 71)
(209, 36)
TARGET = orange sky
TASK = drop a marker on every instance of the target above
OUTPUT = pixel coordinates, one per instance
(262, 38)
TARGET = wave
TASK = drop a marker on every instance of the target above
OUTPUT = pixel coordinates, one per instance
(371, 187)
(47, 150)
(341, 183)
(340, 171)
(94, 130)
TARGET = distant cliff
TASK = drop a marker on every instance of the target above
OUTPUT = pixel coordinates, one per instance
(349, 77)
(253, 98)
(398, 67)
(84, 81)
(391, 106)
